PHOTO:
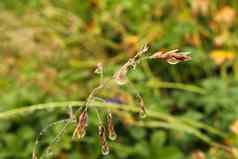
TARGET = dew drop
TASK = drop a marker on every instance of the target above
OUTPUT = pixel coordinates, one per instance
(172, 61)
(112, 136)
(105, 150)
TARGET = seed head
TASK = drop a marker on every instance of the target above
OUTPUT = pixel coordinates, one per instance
(111, 131)
(102, 139)
(171, 57)
(80, 129)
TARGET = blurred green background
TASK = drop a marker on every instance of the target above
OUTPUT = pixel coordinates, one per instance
(49, 50)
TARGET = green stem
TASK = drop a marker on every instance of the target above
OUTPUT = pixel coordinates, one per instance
(177, 127)
(168, 121)
(64, 105)
(187, 87)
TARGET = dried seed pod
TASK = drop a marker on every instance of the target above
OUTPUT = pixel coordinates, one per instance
(102, 135)
(171, 57)
(105, 150)
(80, 129)
(111, 131)
(102, 139)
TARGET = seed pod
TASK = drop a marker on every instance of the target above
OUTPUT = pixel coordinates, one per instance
(80, 129)
(102, 135)
(111, 131)
(102, 139)
(105, 150)
(171, 57)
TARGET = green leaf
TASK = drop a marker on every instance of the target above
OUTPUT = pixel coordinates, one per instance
(158, 139)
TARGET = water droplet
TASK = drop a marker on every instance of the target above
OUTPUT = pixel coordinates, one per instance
(172, 61)
(105, 150)
(112, 135)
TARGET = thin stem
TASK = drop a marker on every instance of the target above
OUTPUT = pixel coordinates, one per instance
(56, 139)
(98, 115)
(95, 90)
(187, 87)
(112, 106)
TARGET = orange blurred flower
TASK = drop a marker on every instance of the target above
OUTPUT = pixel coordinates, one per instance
(225, 16)
(234, 127)
(220, 56)
(198, 154)
(131, 44)
(200, 6)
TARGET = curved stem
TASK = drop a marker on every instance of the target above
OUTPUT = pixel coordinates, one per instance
(64, 105)
(187, 87)
(168, 121)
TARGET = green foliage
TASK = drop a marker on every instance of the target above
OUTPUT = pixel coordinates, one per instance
(48, 52)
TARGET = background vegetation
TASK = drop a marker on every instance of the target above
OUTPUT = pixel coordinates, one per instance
(49, 49)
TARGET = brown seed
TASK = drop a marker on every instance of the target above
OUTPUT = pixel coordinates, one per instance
(102, 139)
(81, 126)
(111, 131)
(102, 135)
(171, 57)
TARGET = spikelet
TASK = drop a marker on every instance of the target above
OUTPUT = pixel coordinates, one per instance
(111, 131)
(80, 129)
(102, 139)
(171, 57)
